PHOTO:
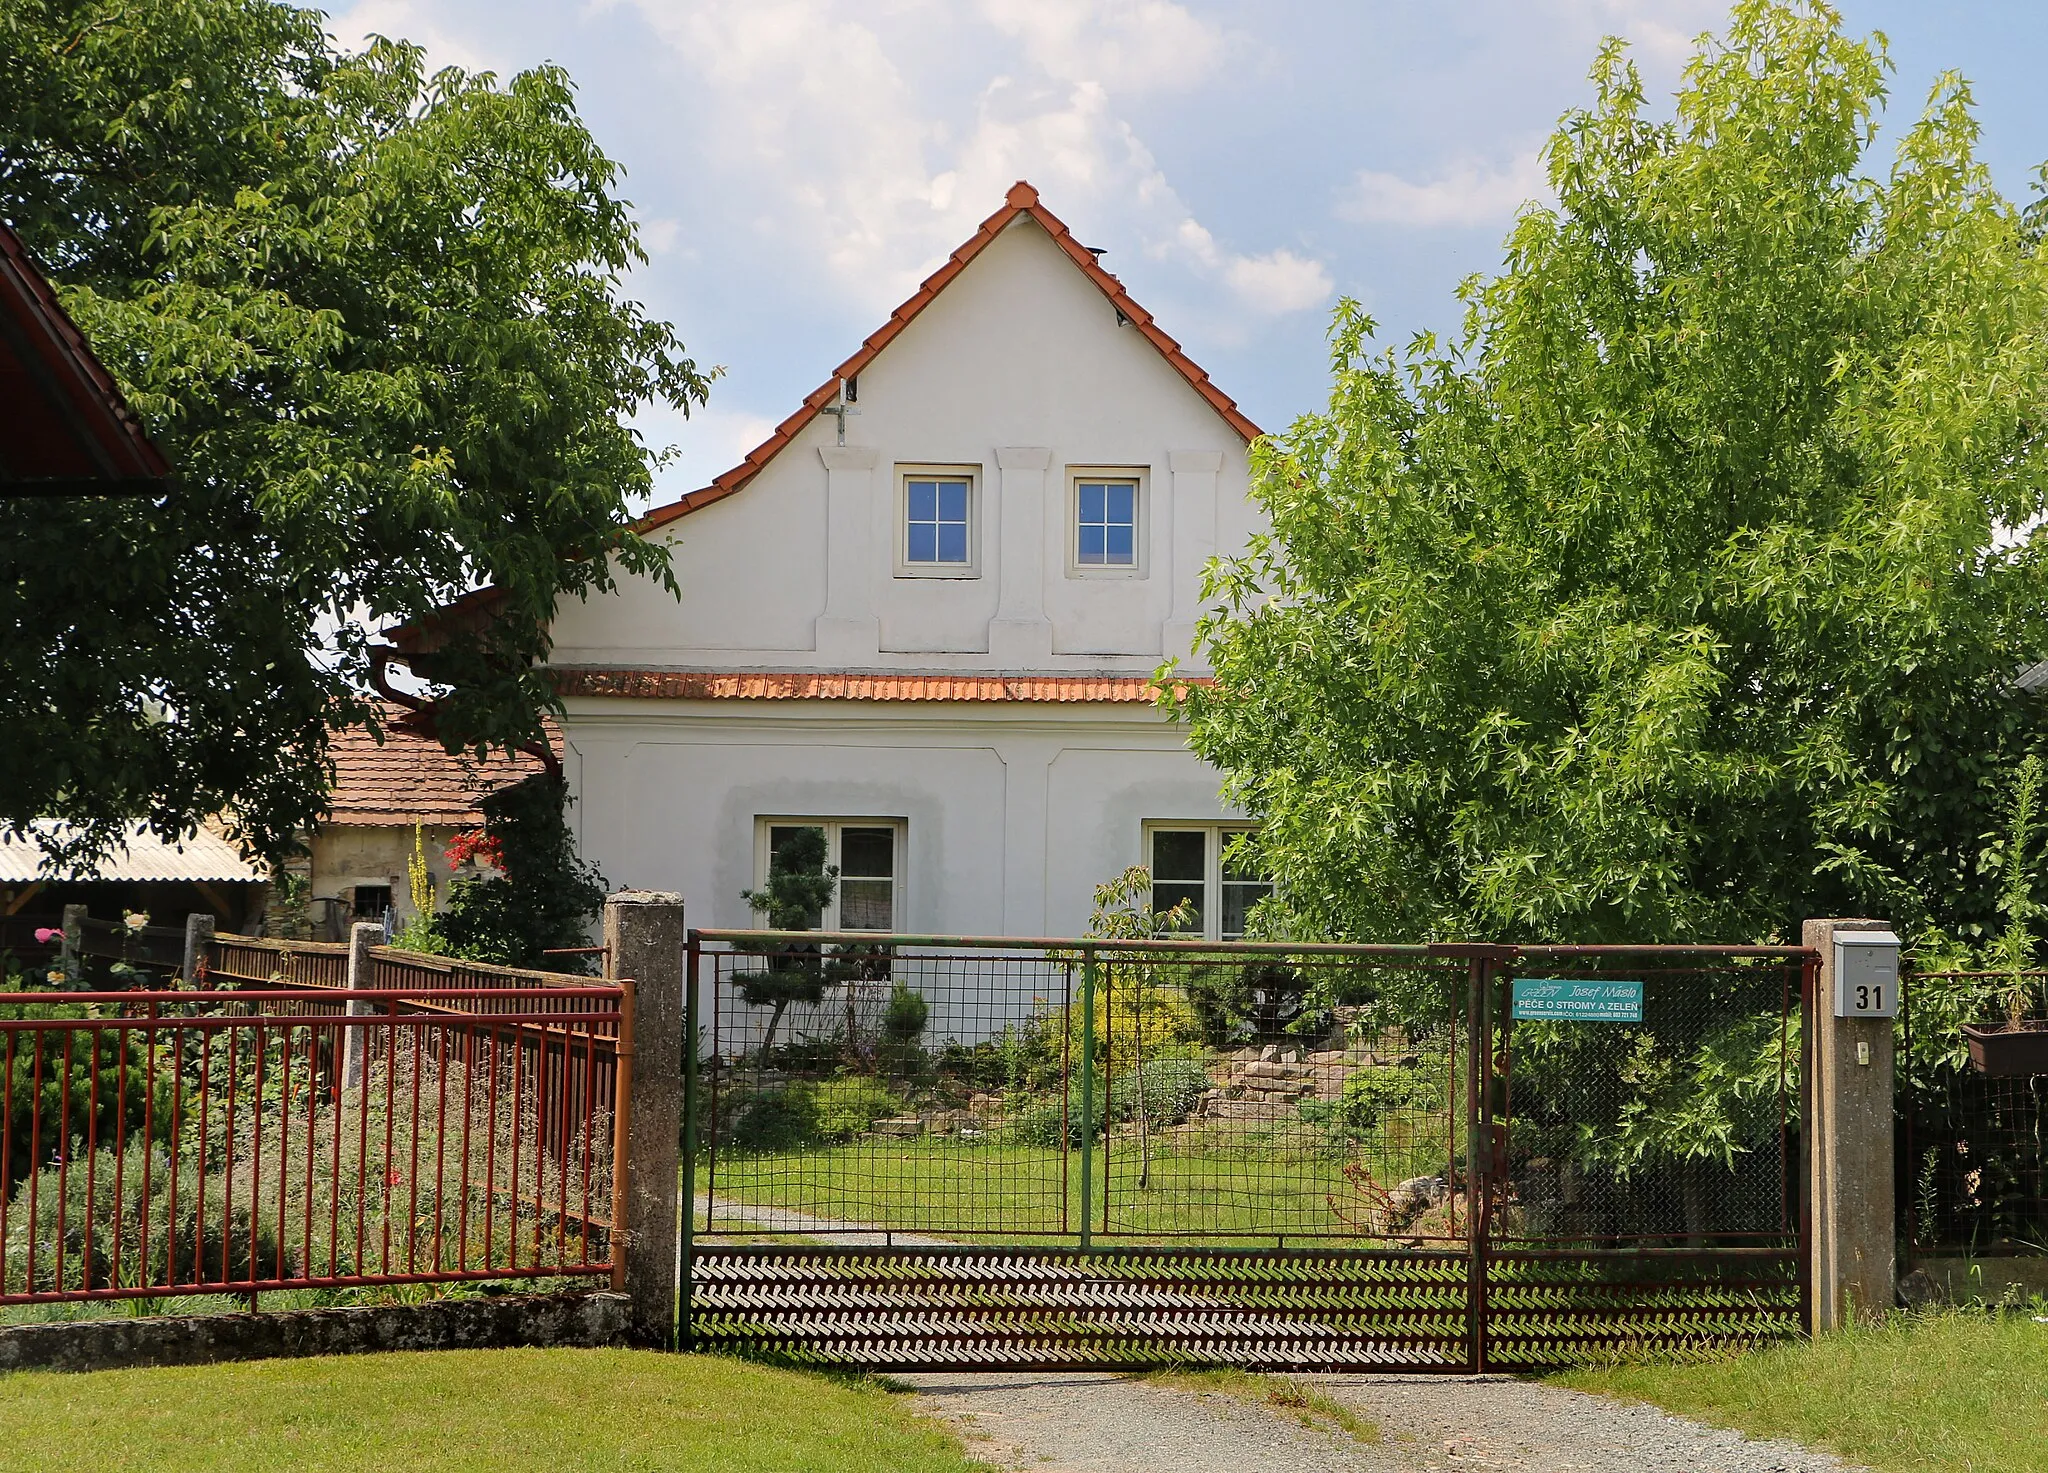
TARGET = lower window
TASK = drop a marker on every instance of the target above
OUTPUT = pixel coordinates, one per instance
(866, 852)
(1192, 866)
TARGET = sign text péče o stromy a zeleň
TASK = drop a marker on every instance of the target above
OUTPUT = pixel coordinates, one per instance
(1577, 1000)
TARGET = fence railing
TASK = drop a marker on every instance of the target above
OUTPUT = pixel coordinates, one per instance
(1973, 1147)
(208, 1142)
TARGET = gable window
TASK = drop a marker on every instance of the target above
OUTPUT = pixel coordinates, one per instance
(1192, 863)
(867, 852)
(1107, 512)
(936, 536)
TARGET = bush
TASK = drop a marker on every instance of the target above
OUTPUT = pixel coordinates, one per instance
(1256, 1002)
(784, 1119)
(1172, 1088)
(1042, 1122)
(1374, 1092)
(845, 1107)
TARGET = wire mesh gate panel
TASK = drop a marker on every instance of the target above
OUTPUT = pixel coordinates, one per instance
(920, 1152)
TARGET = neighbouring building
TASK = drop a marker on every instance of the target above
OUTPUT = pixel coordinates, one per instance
(387, 797)
(925, 616)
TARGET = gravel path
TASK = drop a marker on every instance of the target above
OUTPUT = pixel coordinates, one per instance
(1093, 1423)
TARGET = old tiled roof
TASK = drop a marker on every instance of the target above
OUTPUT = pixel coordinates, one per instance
(706, 685)
(409, 778)
(1021, 201)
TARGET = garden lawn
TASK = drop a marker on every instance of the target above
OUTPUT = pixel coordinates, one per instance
(1957, 1391)
(492, 1411)
(939, 1187)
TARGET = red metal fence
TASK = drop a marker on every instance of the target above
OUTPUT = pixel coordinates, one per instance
(169, 1143)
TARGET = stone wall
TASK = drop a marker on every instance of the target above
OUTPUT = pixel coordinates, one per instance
(442, 1324)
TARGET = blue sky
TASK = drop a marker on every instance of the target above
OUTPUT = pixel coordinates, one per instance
(799, 165)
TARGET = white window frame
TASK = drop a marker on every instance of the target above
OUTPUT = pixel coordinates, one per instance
(1141, 530)
(1216, 838)
(905, 568)
(833, 827)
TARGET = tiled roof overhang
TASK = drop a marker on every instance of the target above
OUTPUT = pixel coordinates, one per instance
(67, 430)
(720, 685)
(1021, 201)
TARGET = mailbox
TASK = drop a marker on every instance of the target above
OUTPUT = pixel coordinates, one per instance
(1866, 974)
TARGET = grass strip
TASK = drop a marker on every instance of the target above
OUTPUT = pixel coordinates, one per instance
(1297, 1399)
(486, 1411)
(1956, 1390)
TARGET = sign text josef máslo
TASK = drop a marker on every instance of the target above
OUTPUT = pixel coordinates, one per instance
(1571, 1000)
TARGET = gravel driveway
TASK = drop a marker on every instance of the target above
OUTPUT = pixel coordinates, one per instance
(1094, 1423)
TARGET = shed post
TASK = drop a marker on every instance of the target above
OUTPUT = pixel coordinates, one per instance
(1848, 1115)
(362, 974)
(644, 943)
(198, 936)
(73, 945)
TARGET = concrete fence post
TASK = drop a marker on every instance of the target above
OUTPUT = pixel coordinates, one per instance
(1849, 1158)
(71, 956)
(198, 936)
(362, 974)
(644, 940)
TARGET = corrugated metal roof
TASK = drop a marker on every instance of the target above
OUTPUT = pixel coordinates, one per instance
(142, 856)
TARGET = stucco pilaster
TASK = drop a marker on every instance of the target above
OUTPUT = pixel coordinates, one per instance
(1020, 635)
(847, 632)
(1192, 509)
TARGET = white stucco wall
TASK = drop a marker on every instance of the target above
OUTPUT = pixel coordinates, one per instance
(1020, 373)
(1012, 815)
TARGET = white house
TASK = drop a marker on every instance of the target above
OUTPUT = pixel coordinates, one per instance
(926, 614)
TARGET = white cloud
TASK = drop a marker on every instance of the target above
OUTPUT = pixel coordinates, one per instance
(658, 237)
(409, 20)
(824, 116)
(1661, 32)
(1123, 45)
(1469, 193)
(1279, 282)
(709, 442)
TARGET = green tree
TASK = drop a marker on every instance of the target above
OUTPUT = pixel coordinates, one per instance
(374, 319)
(544, 896)
(1673, 600)
(800, 886)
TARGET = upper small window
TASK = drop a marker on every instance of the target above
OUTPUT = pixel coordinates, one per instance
(1108, 524)
(1108, 520)
(937, 522)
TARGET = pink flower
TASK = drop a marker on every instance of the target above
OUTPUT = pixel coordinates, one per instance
(45, 935)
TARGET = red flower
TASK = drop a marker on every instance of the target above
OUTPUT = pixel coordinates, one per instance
(475, 844)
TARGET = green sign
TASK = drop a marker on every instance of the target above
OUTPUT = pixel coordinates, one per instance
(1575, 1000)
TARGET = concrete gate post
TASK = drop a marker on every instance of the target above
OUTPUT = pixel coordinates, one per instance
(1849, 1161)
(362, 974)
(644, 941)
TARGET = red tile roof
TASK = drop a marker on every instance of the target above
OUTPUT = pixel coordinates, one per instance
(707, 685)
(67, 428)
(421, 635)
(1022, 200)
(409, 778)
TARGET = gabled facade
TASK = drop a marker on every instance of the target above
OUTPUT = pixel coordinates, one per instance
(925, 616)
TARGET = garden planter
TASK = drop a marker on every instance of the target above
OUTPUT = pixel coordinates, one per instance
(2009, 1051)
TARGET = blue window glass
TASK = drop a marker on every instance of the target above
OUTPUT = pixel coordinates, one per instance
(1106, 524)
(935, 521)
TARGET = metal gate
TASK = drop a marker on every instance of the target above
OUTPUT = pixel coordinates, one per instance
(913, 1152)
